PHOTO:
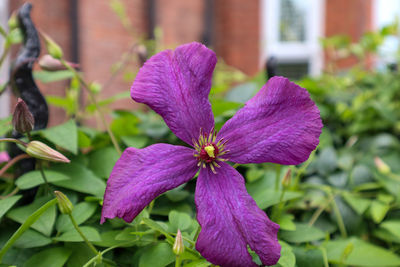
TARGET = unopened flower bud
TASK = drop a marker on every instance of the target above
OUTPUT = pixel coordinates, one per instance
(40, 150)
(142, 54)
(287, 178)
(64, 204)
(54, 49)
(381, 166)
(178, 247)
(22, 120)
(13, 21)
(49, 63)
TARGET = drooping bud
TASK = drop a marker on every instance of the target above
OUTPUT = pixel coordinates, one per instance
(54, 49)
(287, 178)
(4, 157)
(178, 246)
(381, 166)
(22, 120)
(40, 150)
(142, 54)
(64, 204)
(49, 63)
(13, 21)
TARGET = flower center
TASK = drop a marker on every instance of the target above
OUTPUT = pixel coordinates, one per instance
(208, 150)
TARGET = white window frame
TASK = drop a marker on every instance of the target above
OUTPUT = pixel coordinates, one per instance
(4, 69)
(292, 52)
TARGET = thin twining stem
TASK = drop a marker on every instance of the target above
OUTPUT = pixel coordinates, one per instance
(12, 162)
(94, 101)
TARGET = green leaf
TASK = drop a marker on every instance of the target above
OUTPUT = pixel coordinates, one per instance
(32, 239)
(286, 222)
(52, 257)
(179, 220)
(155, 226)
(7, 203)
(102, 161)
(83, 140)
(221, 107)
(303, 233)
(34, 178)
(197, 263)
(81, 254)
(308, 257)
(73, 236)
(392, 226)
(159, 255)
(135, 141)
(81, 212)
(177, 194)
(45, 222)
(267, 197)
(362, 253)
(24, 227)
(358, 204)
(5, 125)
(64, 135)
(287, 259)
(378, 210)
(81, 179)
(52, 76)
(254, 174)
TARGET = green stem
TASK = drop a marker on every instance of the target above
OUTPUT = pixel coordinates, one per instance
(93, 100)
(90, 245)
(12, 140)
(178, 261)
(25, 226)
(319, 211)
(276, 214)
(44, 177)
(236, 165)
(151, 205)
(92, 260)
(303, 169)
(339, 217)
(4, 55)
(277, 177)
(196, 235)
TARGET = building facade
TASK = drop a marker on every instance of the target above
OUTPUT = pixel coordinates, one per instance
(243, 33)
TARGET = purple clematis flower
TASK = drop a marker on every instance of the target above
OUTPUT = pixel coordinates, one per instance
(280, 124)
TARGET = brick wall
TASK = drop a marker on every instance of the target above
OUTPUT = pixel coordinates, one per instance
(181, 21)
(103, 40)
(352, 18)
(237, 33)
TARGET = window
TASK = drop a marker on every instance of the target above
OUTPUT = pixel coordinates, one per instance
(290, 32)
(386, 13)
(4, 98)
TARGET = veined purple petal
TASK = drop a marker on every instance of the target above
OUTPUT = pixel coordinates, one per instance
(280, 124)
(230, 220)
(176, 84)
(140, 175)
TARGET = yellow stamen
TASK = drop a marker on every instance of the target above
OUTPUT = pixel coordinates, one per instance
(210, 151)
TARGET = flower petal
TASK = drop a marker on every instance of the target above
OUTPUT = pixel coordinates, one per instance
(140, 175)
(176, 84)
(230, 219)
(280, 124)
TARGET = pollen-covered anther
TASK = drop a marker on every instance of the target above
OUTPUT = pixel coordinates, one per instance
(209, 151)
